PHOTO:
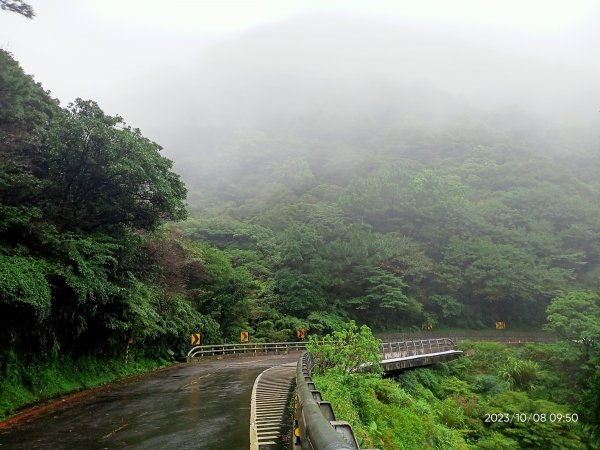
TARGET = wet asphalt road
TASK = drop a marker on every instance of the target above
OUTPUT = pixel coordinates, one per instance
(203, 405)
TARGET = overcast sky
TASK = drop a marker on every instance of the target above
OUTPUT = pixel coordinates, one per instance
(103, 49)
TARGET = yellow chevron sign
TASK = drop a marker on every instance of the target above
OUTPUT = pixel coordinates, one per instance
(195, 339)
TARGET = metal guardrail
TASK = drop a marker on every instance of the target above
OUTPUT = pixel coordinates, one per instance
(401, 349)
(251, 348)
(315, 427)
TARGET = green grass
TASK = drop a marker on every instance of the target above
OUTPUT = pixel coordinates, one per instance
(384, 415)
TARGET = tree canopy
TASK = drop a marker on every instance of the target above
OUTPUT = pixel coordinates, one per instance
(83, 197)
(576, 316)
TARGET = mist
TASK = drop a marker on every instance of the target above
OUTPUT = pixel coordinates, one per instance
(326, 80)
(324, 68)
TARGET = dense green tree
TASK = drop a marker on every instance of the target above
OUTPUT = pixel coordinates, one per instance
(97, 173)
(77, 187)
(576, 316)
(350, 349)
(383, 298)
(500, 278)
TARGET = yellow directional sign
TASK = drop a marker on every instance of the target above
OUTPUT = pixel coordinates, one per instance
(244, 336)
(500, 325)
(301, 333)
(427, 326)
(195, 339)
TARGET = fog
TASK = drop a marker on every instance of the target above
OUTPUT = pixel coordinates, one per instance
(317, 62)
(332, 73)
(329, 74)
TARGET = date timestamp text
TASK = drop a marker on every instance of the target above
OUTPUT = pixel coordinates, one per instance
(530, 417)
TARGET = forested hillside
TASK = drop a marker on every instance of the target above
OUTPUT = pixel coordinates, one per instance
(460, 223)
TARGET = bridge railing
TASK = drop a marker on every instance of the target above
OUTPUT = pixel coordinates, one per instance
(230, 349)
(402, 349)
(390, 349)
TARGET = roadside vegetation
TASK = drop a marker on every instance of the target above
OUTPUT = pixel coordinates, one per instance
(494, 397)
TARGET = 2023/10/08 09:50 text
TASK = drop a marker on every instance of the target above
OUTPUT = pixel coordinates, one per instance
(531, 417)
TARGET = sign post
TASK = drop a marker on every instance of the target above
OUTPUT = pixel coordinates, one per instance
(129, 342)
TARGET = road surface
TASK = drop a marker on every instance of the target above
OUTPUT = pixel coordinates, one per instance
(202, 405)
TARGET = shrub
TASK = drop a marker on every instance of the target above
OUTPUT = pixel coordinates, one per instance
(519, 373)
(489, 384)
(349, 350)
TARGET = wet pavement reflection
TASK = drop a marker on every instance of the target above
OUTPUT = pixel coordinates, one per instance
(197, 406)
